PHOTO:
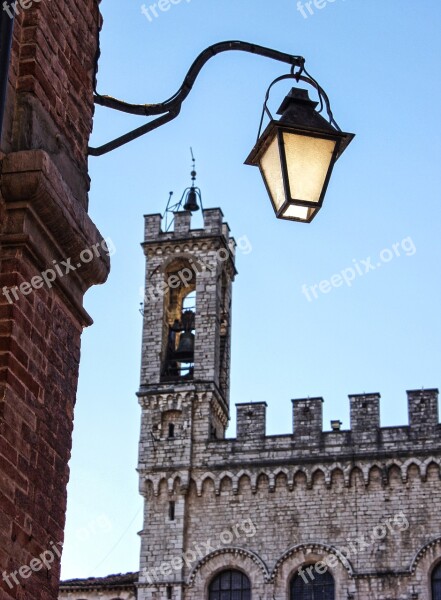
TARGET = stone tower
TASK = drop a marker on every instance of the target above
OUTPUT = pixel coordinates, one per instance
(340, 514)
(184, 391)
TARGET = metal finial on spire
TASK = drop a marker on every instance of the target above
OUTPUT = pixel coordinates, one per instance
(193, 169)
(191, 199)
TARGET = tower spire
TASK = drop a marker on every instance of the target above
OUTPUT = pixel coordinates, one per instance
(191, 199)
(192, 193)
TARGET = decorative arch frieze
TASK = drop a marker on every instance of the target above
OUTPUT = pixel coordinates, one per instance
(235, 479)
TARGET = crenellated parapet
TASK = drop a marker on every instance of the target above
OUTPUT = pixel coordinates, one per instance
(214, 226)
(365, 432)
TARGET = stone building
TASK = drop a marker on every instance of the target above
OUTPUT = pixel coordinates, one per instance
(48, 82)
(308, 515)
(113, 587)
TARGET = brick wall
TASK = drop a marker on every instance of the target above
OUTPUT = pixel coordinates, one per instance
(43, 218)
(50, 95)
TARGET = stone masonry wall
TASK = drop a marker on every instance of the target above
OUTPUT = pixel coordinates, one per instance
(268, 505)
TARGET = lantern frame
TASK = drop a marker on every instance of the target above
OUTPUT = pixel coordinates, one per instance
(298, 117)
(276, 129)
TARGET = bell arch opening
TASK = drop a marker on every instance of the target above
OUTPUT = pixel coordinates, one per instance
(178, 339)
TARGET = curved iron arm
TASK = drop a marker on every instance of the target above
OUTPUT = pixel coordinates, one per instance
(172, 106)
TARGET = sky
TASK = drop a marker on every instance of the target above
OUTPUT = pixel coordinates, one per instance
(379, 331)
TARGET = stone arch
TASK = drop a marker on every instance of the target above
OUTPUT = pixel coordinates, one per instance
(262, 480)
(302, 555)
(208, 485)
(232, 557)
(408, 467)
(220, 479)
(282, 477)
(432, 466)
(429, 462)
(242, 476)
(152, 482)
(317, 474)
(375, 477)
(162, 486)
(356, 472)
(177, 321)
(177, 255)
(201, 482)
(394, 470)
(335, 472)
(147, 487)
(431, 549)
(174, 484)
(300, 478)
(191, 489)
(423, 563)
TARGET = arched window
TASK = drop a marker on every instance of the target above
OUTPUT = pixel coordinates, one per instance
(436, 583)
(307, 584)
(230, 585)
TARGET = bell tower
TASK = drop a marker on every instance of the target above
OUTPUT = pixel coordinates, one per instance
(185, 378)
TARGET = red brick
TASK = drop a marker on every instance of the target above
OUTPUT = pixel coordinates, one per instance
(52, 62)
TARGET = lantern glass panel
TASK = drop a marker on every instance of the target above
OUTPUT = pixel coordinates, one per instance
(298, 213)
(271, 167)
(307, 161)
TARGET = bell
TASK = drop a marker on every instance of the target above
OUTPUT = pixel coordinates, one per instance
(191, 202)
(185, 351)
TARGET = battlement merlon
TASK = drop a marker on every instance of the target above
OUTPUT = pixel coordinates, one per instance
(251, 420)
(214, 225)
(364, 411)
(307, 416)
(423, 408)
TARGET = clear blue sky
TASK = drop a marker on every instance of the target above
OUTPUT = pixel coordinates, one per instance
(379, 62)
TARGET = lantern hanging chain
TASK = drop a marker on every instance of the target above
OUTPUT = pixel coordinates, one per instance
(323, 97)
(170, 108)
